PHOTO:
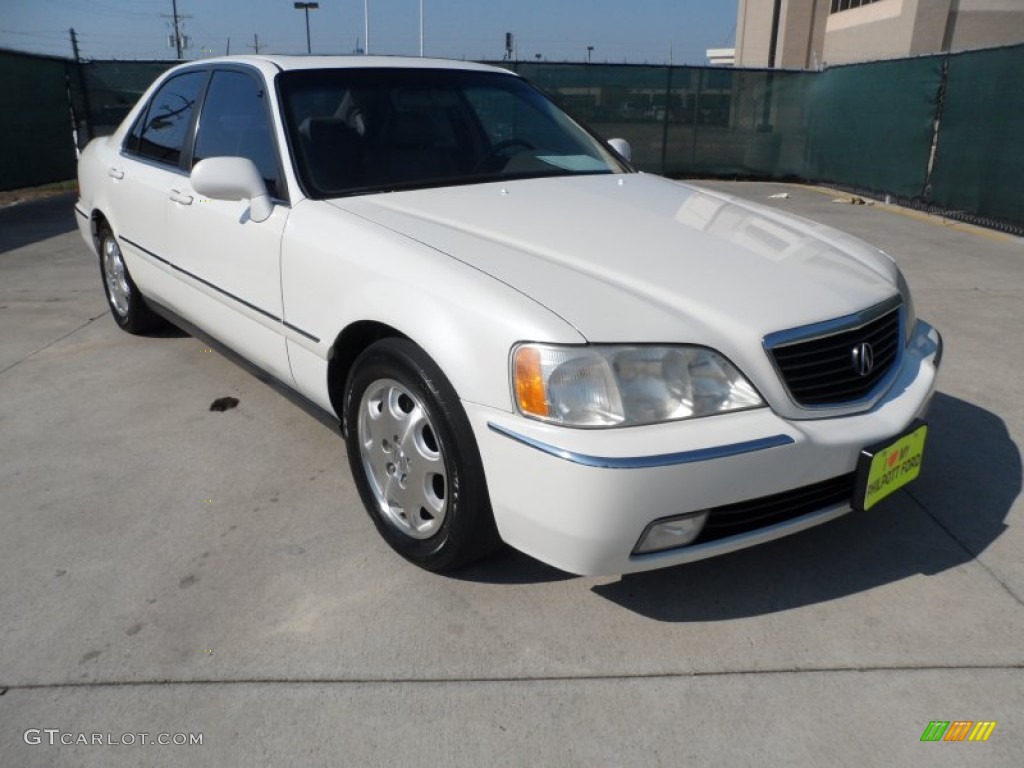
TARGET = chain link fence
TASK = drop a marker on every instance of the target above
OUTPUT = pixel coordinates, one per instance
(979, 152)
(35, 121)
(935, 132)
(938, 133)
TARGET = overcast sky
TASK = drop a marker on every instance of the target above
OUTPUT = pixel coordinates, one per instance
(634, 31)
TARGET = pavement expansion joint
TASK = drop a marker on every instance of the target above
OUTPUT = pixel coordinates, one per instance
(43, 348)
(380, 681)
(975, 556)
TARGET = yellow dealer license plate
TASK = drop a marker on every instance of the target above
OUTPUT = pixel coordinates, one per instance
(884, 469)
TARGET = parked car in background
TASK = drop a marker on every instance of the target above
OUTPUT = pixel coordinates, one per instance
(524, 339)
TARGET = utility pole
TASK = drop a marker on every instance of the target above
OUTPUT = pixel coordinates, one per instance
(177, 31)
(180, 41)
(255, 43)
(74, 45)
(228, 51)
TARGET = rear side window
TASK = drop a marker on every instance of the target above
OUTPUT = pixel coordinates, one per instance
(234, 123)
(163, 132)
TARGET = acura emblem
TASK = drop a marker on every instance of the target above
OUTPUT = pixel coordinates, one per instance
(863, 357)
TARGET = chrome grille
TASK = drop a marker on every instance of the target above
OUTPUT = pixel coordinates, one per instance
(821, 370)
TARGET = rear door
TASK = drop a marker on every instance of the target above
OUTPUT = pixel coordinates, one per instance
(144, 176)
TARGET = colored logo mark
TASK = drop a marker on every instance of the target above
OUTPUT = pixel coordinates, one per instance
(958, 730)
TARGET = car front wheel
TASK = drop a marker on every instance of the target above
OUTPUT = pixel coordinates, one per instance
(414, 458)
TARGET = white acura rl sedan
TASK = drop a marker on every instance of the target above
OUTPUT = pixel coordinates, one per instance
(524, 339)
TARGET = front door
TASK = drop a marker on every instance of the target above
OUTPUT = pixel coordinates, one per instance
(234, 262)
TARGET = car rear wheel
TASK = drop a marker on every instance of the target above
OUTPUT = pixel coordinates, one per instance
(126, 303)
(415, 460)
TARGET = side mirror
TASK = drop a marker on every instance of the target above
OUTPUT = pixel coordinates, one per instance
(622, 147)
(233, 178)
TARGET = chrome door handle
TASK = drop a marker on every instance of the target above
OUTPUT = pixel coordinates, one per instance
(115, 173)
(178, 197)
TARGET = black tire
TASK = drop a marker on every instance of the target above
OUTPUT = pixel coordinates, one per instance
(127, 305)
(415, 460)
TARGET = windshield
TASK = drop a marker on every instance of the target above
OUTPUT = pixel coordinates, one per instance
(354, 131)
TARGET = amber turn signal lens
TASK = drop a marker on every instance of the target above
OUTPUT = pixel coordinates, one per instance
(530, 382)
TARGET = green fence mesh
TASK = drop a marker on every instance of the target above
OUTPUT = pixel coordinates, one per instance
(746, 123)
(111, 89)
(865, 126)
(979, 162)
(871, 125)
(35, 122)
(629, 102)
(688, 120)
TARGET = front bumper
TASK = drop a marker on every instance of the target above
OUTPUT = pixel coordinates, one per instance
(580, 499)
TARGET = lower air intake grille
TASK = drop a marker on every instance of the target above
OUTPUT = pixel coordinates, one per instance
(734, 519)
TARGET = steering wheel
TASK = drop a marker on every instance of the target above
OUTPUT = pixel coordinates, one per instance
(500, 147)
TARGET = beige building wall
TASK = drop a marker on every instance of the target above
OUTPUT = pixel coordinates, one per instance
(884, 30)
(982, 23)
(810, 36)
(802, 33)
(931, 20)
(753, 33)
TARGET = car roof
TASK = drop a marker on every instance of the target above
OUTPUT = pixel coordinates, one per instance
(287, 63)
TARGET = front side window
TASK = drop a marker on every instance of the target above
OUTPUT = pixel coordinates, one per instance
(163, 131)
(369, 130)
(235, 123)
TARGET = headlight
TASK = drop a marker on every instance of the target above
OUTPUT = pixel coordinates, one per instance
(611, 386)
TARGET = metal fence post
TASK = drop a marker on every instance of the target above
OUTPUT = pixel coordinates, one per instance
(940, 100)
(696, 118)
(664, 121)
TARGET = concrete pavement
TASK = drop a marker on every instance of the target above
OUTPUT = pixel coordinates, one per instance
(171, 570)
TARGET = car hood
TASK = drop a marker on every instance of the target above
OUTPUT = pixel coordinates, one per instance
(640, 258)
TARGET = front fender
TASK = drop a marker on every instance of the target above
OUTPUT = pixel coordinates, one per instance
(339, 269)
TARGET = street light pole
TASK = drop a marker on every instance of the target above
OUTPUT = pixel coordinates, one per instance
(421, 29)
(307, 7)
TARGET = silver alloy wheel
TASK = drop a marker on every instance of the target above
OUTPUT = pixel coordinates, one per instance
(116, 276)
(402, 459)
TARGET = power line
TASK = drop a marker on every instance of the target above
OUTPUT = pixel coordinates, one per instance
(99, 8)
(40, 33)
(730, 36)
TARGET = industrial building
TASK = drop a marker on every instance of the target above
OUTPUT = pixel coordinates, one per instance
(809, 34)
